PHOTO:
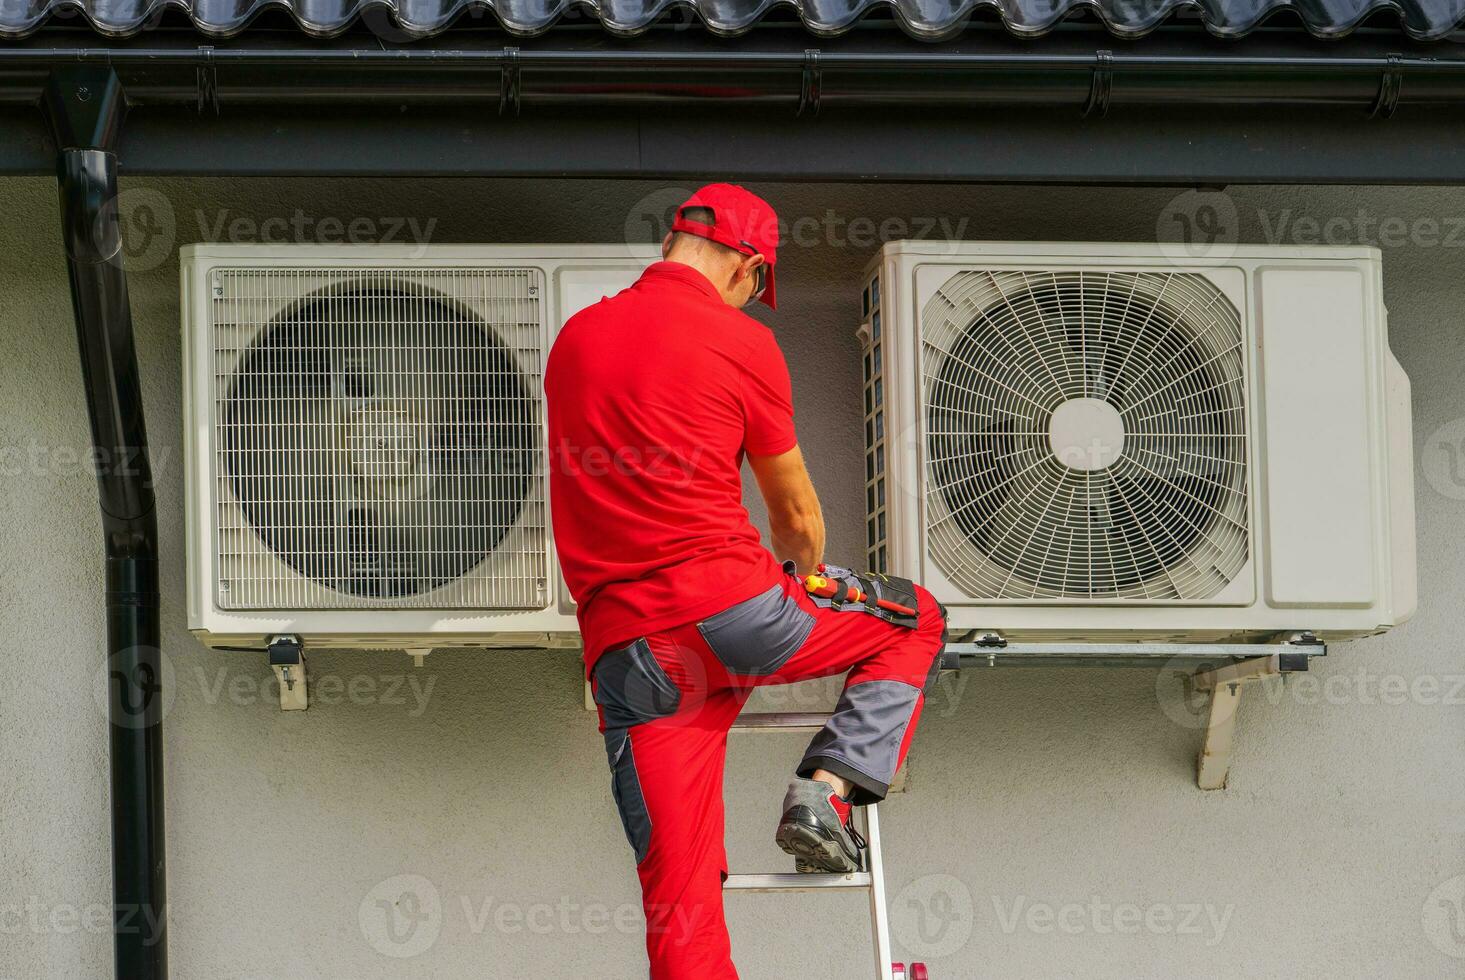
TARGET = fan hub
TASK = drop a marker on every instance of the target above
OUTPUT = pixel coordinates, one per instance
(1086, 434)
(385, 446)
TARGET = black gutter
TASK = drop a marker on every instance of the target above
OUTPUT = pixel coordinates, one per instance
(854, 73)
(85, 107)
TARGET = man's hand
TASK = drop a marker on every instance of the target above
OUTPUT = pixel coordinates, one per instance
(794, 516)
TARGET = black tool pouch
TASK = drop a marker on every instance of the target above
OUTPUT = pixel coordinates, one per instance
(897, 591)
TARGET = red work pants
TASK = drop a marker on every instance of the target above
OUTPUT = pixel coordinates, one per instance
(667, 702)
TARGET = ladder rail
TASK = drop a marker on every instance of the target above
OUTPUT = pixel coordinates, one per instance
(879, 914)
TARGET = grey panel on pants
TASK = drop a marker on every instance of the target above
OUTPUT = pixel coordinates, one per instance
(757, 636)
(867, 727)
(631, 687)
(625, 787)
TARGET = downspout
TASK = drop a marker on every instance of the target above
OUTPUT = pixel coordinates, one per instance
(85, 106)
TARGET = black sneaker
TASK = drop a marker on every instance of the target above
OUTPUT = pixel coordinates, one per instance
(812, 832)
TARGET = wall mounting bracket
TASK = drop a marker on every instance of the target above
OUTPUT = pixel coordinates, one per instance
(287, 660)
(1219, 670)
(1225, 684)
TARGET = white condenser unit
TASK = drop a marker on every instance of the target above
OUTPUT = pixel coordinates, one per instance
(366, 440)
(1121, 442)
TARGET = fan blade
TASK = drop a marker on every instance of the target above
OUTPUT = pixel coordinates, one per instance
(377, 558)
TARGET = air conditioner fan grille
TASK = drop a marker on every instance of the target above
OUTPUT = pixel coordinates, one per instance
(378, 439)
(1085, 435)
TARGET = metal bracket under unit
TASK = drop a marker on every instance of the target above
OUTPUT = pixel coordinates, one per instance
(1225, 684)
(1240, 664)
(287, 660)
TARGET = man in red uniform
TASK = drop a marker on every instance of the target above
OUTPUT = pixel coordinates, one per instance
(655, 396)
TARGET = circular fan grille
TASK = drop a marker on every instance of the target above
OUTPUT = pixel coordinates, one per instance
(1086, 435)
(379, 440)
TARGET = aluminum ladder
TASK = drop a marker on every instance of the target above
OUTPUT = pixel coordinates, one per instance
(871, 878)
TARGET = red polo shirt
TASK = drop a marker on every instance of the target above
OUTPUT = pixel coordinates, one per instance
(654, 396)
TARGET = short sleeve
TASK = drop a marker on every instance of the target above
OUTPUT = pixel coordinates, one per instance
(768, 401)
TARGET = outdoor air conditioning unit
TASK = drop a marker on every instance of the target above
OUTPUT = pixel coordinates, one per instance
(1122, 442)
(366, 443)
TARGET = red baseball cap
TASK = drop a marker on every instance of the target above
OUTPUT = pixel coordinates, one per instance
(741, 220)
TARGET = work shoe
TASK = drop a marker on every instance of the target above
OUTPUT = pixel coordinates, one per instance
(812, 831)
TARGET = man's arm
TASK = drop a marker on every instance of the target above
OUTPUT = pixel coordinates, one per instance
(794, 516)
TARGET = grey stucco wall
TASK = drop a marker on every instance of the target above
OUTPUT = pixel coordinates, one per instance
(1041, 803)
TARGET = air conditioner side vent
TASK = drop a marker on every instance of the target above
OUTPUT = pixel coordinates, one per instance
(873, 358)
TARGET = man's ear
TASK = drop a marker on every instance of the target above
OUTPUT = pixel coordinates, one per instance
(749, 265)
(666, 244)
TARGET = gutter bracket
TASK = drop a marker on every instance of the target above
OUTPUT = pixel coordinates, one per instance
(206, 78)
(1101, 85)
(510, 84)
(1391, 83)
(811, 84)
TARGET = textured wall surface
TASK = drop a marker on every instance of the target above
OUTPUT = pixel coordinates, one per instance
(1052, 825)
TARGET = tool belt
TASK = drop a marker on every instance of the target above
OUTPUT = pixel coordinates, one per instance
(882, 596)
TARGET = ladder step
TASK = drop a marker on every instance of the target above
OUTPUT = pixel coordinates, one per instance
(796, 882)
(782, 721)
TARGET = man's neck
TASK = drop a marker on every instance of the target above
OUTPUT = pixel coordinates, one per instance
(707, 270)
